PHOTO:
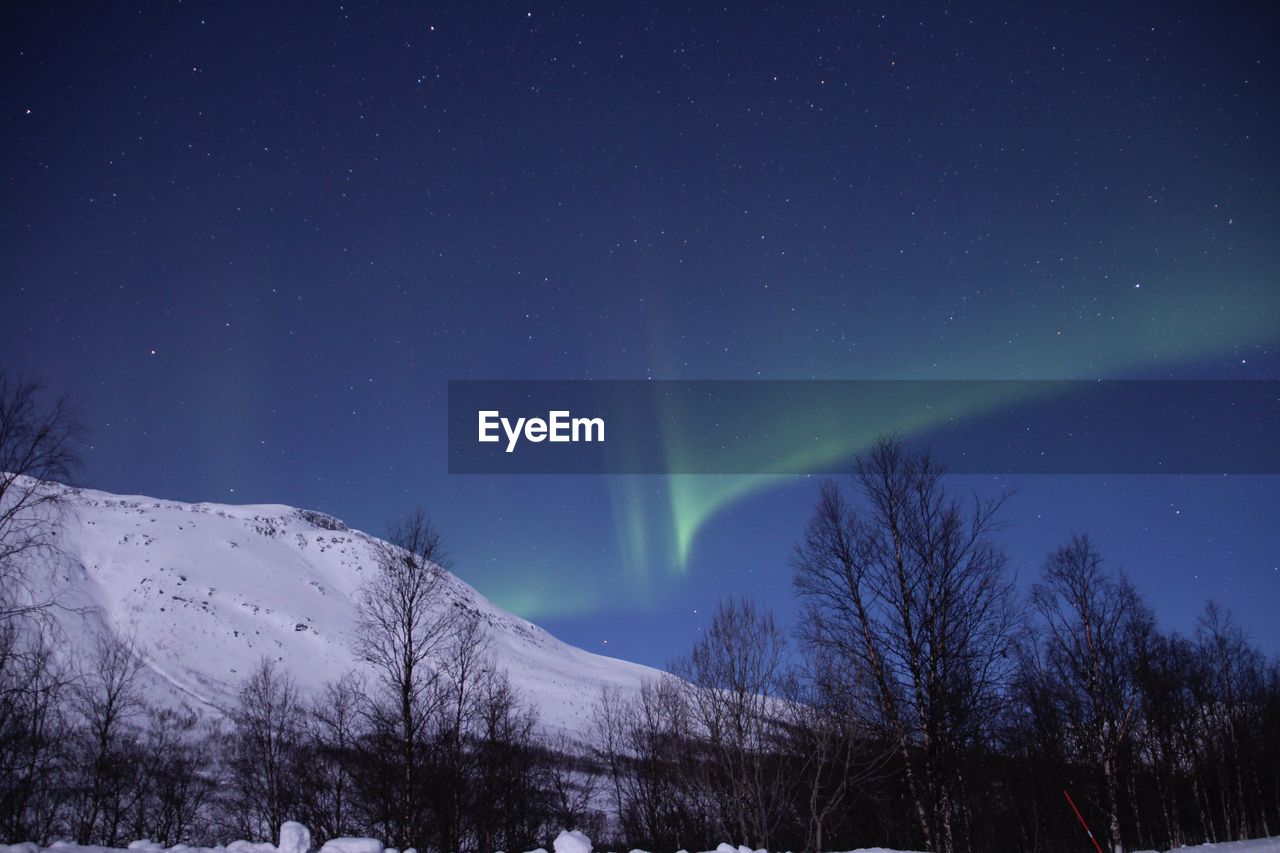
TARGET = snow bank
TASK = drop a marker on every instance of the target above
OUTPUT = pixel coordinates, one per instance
(1256, 845)
(352, 845)
(571, 842)
(295, 838)
(233, 847)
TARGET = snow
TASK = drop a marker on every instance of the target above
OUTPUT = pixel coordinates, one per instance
(571, 842)
(351, 845)
(293, 834)
(245, 847)
(209, 589)
(1256, 845)
(565, 842)
(294, 837)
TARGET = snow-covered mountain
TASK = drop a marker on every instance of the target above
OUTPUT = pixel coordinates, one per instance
(208, 589)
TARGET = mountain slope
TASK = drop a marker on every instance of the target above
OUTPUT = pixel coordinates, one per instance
(209, 589)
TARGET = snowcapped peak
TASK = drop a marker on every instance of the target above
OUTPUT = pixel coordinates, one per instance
(209, 589)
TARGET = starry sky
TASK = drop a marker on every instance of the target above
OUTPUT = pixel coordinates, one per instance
(253, 242)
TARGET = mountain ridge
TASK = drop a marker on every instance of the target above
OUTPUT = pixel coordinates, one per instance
(208, 589)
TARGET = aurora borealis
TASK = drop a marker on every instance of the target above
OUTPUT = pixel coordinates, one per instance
(254, 243)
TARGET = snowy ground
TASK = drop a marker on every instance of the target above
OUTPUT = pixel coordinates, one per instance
(296, 839)
(1257, 845)
(367, 845)
(209, 589)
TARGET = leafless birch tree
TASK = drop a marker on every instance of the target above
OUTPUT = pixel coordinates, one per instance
(909, 589)
(403, 625)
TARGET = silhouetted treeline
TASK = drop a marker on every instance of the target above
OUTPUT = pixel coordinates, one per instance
(921, 703)
(938, 709)
(85, 759)
(1189, 755)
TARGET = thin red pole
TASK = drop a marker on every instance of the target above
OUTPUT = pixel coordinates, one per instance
(1080, 818)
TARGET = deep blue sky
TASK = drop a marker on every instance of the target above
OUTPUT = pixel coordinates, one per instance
(254, 241)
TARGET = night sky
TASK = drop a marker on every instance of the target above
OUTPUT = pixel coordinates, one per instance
(253, 242)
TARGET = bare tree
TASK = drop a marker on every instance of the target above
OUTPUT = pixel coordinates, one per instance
(645, 744)
(508, 809)
(573, 779)
(1235, 677)
(403, 625)
(107, 697)
(37, 451)
(179, 776)
(736, 677)
(34, 754)
(837, 755)
(334, 728)
(1095, 626)
(265, 751)
(608, 730)
(38, 441)
(465, 670)
(911, 591)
